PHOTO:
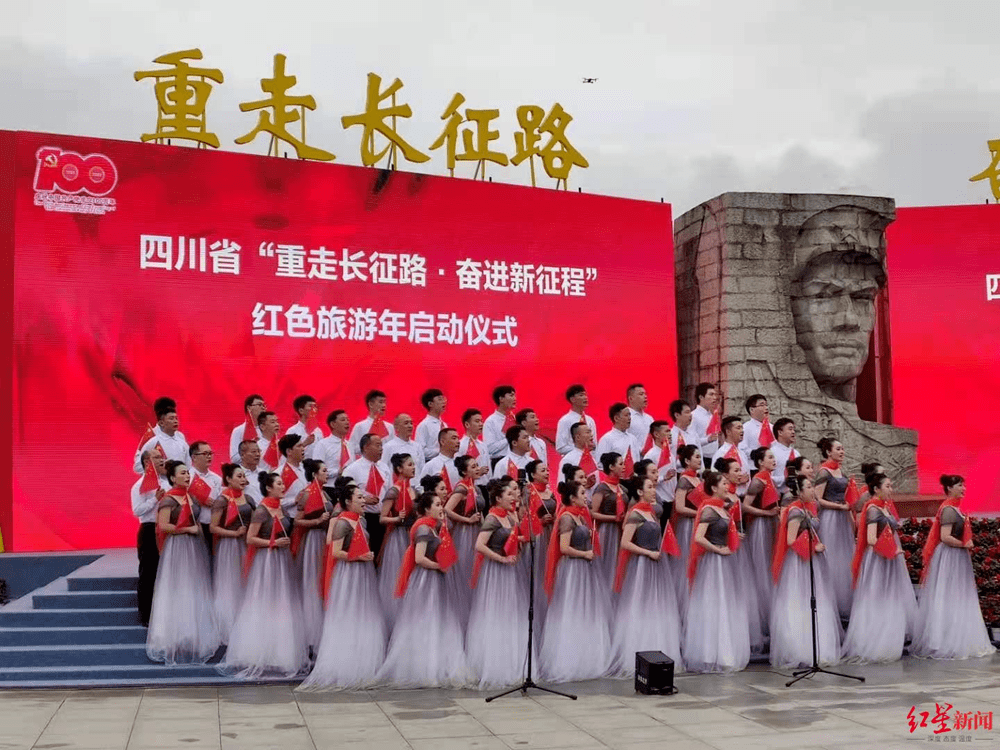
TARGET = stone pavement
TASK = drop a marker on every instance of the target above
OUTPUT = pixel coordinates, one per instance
(746, 711)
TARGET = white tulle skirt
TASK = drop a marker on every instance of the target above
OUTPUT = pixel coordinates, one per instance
(427, 648)
(949, 620)
(760, 543)
(354, 631)
(268, 637)
(759, 627)
(717, 630)
(496, 641)
(541, 559)
(839, 535)
(683, 532)
(607, 562)
(646, 616)
(577, 642)
(791, 616)
(393, 549)
(309, 566)
(883, 612)
(464, 538)
(230, 552)
(182, 624)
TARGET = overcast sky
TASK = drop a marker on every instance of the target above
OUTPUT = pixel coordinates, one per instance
(693, 98)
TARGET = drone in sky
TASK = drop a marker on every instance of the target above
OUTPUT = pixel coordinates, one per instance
(590, 80)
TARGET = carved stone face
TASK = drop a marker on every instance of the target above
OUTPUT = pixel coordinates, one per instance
(833, 305)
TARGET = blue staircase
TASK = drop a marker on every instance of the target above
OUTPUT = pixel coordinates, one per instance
(89, 636)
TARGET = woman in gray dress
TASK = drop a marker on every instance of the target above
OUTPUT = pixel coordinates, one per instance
(836, 520)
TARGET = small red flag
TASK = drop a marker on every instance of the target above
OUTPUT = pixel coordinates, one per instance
(715, 423)
(886, 544)
(766, 436)
(200, 490)
(150, 480)
(288, 476)
(271, 455)
(146, 436)
(249, 428)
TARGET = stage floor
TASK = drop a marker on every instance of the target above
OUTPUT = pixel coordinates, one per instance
(745, 711)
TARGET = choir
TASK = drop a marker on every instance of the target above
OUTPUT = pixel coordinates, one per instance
(384, 555)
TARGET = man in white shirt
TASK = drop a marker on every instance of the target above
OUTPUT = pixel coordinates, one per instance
(166, 433)
(144, 505)
(374, 478)
(618, 439)
(663, 455)
(472, 445)
(578, 400)
(334, 450)
(683, 431)
(404, 442)
(201, 461)
(253, 405)
(706, 395)
(758, 426)
(518, 454)
(270, 428)
(638, 399)
(732, 432)
(374, 424)
(435, 402)
(496, 425)
(528, 419)
(444, 461)
(784, 451)
(292, 472)
(305, 407)
(250, 463)
(582, 455)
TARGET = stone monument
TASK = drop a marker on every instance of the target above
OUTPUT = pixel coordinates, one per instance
(776, 295)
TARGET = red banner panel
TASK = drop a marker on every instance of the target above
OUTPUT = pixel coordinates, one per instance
(944, 297)
(146, 270)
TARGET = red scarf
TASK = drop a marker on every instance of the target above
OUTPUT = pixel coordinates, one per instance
(615, 484)
(508, 421)
(801, 544)
(587, 462)
(934, 538)
(379, 428)
(358, 547)
(766, 436)
(402, 506)
(271, 503)
(345, 455)
(232, 506)
(884, 545)
(314, 507)
(470, 495)
(271, 455)
(733, 540)
(629, 463)
(510, 548)
(692, 499)
(555, 552)
(185, 519)
(668, 545)
(249, 429)
(830, 465)
(769, 495)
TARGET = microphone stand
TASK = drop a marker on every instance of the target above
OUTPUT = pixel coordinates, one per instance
(528, 681)
(815, 668)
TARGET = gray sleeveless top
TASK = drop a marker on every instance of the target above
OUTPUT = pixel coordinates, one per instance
(424, 534)
(263, 516)
(951, 517)
(342, 529)
(835, 487)
(878, 517)
(498, 534)
(647, 533)
(245, 511)
(580, 537)
(718, 527)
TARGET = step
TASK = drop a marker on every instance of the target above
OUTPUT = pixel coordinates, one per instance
(102, 584)
(86, 600)
(69, 618)
(153, 673)
(115, 655)
(20, 637)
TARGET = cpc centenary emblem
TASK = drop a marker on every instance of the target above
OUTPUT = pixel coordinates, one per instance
(68, 182)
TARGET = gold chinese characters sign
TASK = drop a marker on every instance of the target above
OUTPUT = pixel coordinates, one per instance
(182, 92)
(992, 172)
